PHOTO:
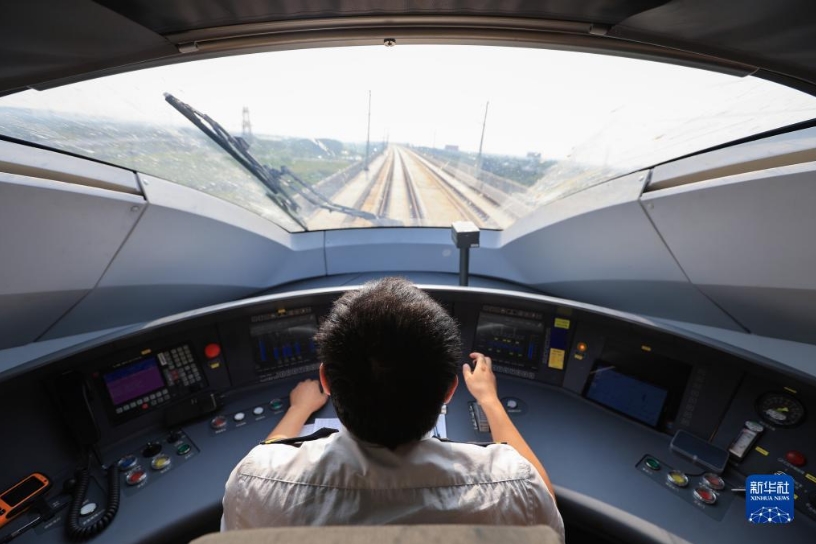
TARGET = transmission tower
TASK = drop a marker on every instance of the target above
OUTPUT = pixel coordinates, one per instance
(246, 125)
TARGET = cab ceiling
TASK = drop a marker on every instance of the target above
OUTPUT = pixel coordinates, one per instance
(43, 42)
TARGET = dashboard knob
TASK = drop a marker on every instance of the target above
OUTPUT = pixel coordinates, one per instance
(512, 403)
(87, 509)
(151, 449)
(211, 351)
(258, 410)
(239, 416)
(218, 422)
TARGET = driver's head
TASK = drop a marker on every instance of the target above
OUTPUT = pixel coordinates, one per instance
(390, 356)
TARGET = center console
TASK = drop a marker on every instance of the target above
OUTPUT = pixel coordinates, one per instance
(598, 396)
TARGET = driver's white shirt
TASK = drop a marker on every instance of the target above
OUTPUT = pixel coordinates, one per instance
(340, 480)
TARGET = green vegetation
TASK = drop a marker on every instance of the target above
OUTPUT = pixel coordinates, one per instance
(310, 160)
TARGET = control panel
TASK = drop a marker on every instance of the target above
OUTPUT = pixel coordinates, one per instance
(148, 380)
(524, 343)
(208, 389)
(283, 343)
(709, 492)
(766, 431)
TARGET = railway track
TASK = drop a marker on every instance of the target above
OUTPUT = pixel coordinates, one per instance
(406, 189)
(416, 208)
(467, 208)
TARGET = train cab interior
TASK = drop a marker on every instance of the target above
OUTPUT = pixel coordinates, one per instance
(614, 199)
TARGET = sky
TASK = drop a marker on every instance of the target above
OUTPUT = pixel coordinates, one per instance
(560, 104)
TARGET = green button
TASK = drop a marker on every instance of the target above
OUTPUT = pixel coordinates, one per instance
(276, 404)
(183, 449)
(652, 463)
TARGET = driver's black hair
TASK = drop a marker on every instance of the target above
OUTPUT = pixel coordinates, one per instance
(390, 353)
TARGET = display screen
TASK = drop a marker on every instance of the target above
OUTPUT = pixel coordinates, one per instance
(510, 337)
(133, 380)
(627, 395)
(631, 379)
(284, 341)
(19, 493)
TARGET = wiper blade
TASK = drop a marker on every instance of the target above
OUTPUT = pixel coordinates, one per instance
(272, 179)
(237, 151)
(319, 199)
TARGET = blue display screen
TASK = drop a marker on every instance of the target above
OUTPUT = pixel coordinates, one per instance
(631, 397)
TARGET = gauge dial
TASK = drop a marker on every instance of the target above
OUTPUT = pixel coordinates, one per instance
(780, 409)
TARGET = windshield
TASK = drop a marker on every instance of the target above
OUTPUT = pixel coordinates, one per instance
(417, 135)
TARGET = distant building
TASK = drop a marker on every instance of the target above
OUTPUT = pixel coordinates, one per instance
(451, 147)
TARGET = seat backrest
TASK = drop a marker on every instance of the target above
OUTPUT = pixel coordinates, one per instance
(388, 534)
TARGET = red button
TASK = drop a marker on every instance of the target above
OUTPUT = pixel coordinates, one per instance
(796, 458)
(705, 494)
(135, 477)
(212, 351)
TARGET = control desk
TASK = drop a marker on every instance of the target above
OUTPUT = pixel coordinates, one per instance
(173, 406)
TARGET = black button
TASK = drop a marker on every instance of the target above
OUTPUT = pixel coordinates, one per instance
(152, 449)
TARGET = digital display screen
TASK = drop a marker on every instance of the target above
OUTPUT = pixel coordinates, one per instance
(284, 342)
(510, 337)
(630, 378)
(133, 380)
(19, 493)
(627, 395)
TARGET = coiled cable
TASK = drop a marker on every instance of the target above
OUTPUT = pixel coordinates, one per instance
(72, 527)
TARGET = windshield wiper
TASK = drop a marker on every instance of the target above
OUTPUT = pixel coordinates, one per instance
(275, 181)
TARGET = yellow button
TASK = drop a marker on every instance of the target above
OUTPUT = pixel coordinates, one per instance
(159, 462)
(677, 478)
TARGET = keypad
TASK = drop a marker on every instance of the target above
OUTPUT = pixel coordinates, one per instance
(179, 366)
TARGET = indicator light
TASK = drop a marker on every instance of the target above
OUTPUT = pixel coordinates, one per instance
(582, 347)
